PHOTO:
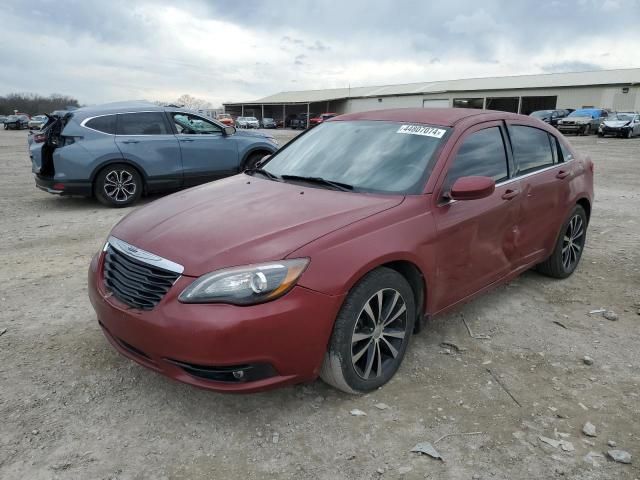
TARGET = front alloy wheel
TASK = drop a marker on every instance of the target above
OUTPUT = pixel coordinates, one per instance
(371, 333)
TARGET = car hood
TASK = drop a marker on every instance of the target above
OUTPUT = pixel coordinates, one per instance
(242, 220)
(616, 123)
(245, 133)
(576, 120)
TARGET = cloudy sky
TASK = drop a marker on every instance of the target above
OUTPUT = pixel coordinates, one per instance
(99, 50)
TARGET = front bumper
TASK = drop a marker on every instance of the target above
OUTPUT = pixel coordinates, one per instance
(571, 128)
(276, 343)
(613, 130)
(51, 185)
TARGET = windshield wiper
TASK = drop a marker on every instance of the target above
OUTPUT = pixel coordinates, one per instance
(345, 187)
(264, 172)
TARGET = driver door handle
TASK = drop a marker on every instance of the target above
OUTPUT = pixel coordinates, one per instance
(186, 139)
(131, 141)
(562, 174)
(509, 194)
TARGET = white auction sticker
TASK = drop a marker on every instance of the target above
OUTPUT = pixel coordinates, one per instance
(422, 130)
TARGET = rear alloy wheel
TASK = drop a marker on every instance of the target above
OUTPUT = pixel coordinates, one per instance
(568, 250)
(371, 333)
(118, 185)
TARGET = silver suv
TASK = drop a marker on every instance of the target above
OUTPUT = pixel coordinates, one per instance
(117, 152)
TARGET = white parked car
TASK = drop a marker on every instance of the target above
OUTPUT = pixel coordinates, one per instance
(247, 122)
(37, 122)
(622, 124)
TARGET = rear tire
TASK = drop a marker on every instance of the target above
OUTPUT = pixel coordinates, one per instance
(118, 185)
(569, 246)
(371, 333)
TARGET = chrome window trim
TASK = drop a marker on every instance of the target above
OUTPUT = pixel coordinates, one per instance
(143, 256)
(513, 179)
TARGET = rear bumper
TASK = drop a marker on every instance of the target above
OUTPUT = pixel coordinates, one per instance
(276, 343)
(57, 187)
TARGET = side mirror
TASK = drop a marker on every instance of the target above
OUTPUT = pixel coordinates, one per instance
(229, 130)
(472, 188)
(262, 161)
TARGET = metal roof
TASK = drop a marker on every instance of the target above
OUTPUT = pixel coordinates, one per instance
(571, 79)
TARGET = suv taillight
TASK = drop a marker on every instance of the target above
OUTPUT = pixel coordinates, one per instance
(39, 137)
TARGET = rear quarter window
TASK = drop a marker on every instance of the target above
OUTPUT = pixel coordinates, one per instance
(104, 124)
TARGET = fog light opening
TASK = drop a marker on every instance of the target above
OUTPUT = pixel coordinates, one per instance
(238, 374)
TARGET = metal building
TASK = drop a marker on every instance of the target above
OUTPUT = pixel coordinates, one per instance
(613, 89)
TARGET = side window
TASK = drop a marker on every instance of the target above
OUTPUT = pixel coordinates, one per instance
(104, 124)
(531, 149)
(187, 124)
(481, 154)
(566, 154)
(143, 123)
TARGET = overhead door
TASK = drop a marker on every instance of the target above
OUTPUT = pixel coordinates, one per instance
(435, 103)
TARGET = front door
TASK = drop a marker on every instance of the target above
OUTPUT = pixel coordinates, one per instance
(476, 240)
(207, 154)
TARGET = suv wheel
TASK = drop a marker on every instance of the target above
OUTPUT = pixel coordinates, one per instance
(586, 130)
(118, 185)
(568, 250)
(371, 333)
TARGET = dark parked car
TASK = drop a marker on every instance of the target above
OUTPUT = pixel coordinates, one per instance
(117, 152)
(268, 123)
(16, 122)
(300, 121)
(326, 260)
(621, 124)
(583, 121)
(550, 116)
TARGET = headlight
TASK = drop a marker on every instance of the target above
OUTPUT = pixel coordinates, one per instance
(246, 285)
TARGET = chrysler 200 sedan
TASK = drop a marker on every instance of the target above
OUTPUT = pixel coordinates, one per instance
(326, 257)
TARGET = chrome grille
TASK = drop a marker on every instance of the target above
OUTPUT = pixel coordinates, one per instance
(134, 282)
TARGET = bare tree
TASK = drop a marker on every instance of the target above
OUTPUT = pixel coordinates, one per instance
(193, 103)
(34, 104)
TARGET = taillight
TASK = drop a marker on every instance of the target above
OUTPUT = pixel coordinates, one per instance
(39, 137)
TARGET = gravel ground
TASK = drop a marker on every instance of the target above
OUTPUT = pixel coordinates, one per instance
(72, 408)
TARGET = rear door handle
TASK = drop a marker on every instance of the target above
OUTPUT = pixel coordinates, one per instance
(186, 139)
(131, 141)
(562, 174)
(509, 194)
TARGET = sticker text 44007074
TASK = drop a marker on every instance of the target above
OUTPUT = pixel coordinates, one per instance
(422, 130)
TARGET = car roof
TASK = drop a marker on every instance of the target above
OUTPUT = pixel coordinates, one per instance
(447, 117)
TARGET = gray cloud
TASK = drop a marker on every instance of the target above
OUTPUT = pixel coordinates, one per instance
(102, 51)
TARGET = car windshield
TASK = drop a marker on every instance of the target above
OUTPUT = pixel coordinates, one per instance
(370, 156)
(541, 114)
(622, 116)
(252, 119)
(266, 119)
(582, 113)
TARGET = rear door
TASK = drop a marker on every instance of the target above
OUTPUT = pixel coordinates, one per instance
(545, 181)
(476, 240)
(145, 138)
(207, 154)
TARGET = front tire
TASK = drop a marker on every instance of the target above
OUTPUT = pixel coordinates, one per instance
(586, 130)
(118, 185)
(629, 133)
(371, 333)
(569, 246)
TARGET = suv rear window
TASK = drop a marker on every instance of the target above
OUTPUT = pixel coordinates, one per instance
(104, 124)
(143, 123)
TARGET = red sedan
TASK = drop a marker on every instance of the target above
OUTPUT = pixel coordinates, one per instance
(325, 260)
(323, 117)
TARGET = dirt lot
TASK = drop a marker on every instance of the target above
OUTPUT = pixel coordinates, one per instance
(72, 408)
